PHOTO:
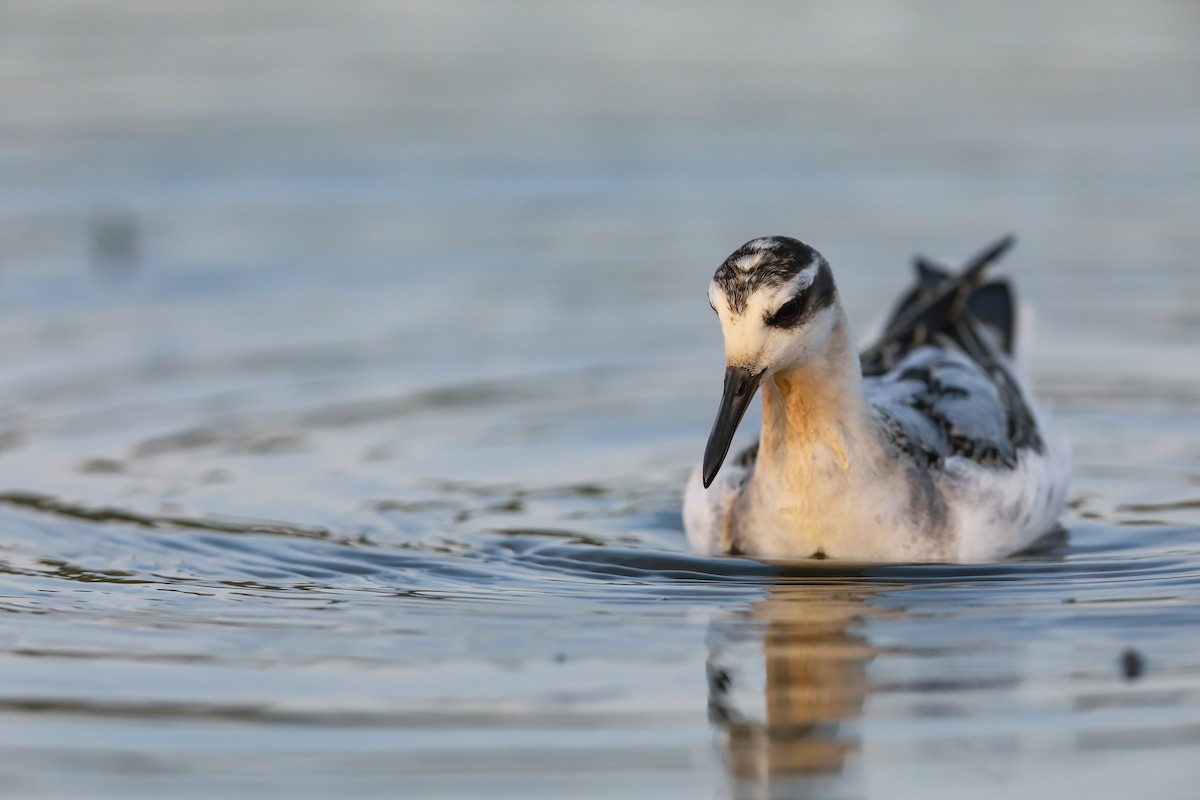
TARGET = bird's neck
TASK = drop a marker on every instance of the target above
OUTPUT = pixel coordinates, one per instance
(816, 418)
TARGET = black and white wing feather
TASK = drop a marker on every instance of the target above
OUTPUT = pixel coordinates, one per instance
(939, 376)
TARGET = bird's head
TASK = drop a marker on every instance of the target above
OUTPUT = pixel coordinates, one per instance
(776, 301)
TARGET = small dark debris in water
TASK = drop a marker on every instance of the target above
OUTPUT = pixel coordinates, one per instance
(560, 658)
(101, 466)
(377, 453)
(115, 244)
(1133, 664)
(1069, 600)
(514, 503)
(587, 489)
(216, 475)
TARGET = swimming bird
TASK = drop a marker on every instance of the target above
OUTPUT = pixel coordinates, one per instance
(926, 446)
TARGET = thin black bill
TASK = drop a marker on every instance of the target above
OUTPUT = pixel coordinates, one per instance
(740, 386)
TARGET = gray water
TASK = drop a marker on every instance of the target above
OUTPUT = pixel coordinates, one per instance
(352, 358)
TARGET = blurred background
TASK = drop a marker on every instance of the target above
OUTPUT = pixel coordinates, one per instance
(202, 206)
(290, 289)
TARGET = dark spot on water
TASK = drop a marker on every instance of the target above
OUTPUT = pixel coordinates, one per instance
(216, 475)
(377, 453)
(1133, 664)
(587, 490)
(101, 466)
(115, 244)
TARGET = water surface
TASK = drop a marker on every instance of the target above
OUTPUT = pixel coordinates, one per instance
(352, 361)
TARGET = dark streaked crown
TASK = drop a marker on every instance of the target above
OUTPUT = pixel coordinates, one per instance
(767, 262)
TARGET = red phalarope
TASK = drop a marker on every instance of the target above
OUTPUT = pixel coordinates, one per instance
(924, 447)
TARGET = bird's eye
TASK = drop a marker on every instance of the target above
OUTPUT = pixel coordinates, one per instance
(788, 313)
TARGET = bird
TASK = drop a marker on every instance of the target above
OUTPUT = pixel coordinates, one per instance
(926, 446)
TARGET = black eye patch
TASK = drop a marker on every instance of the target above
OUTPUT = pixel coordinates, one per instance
(820, 294)
(788, 313)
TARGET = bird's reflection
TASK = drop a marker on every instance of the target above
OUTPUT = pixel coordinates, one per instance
(787, 680)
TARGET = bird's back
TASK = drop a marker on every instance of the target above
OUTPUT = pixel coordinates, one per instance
(941, 380)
